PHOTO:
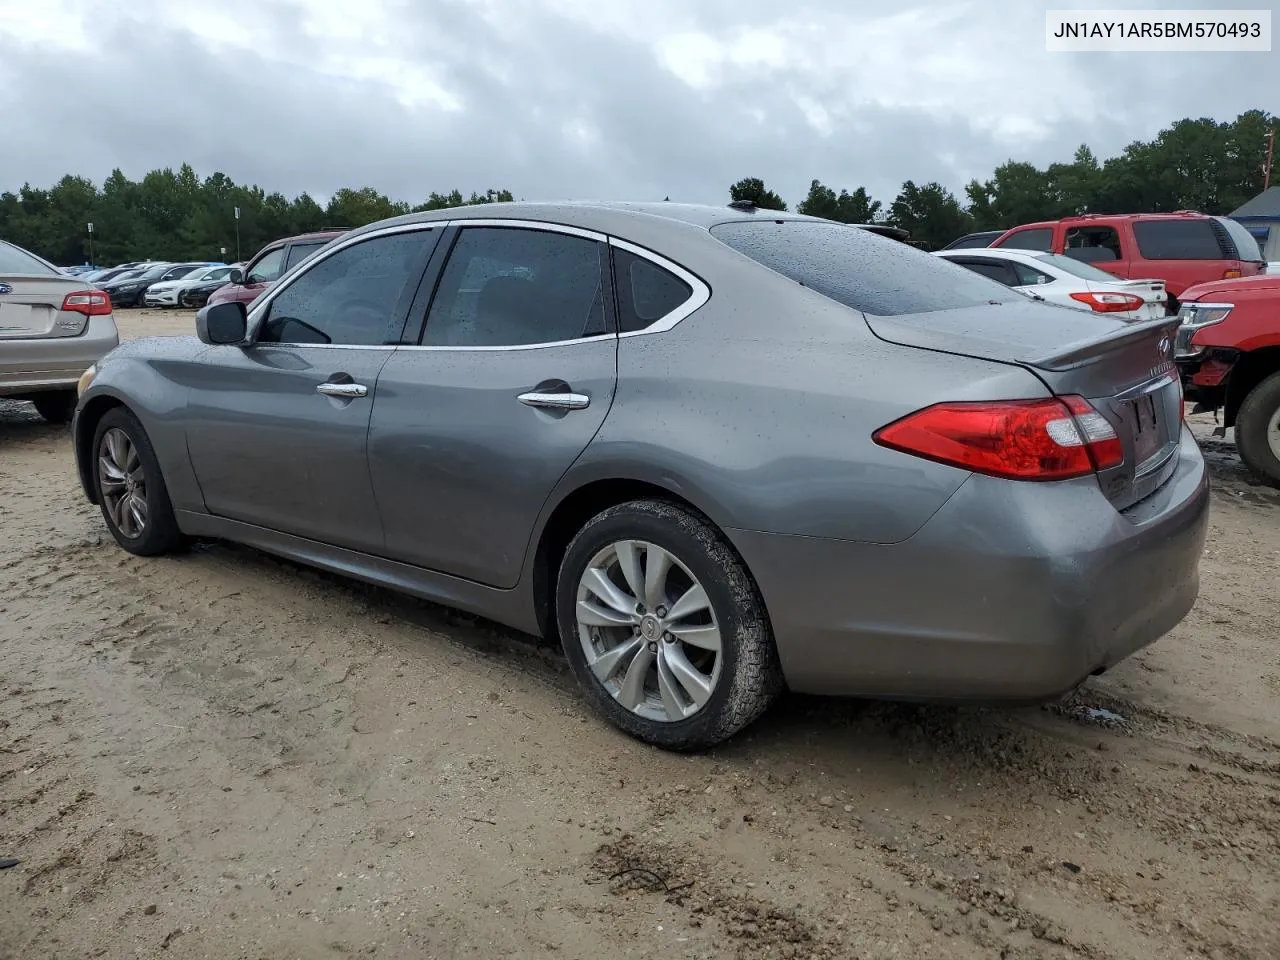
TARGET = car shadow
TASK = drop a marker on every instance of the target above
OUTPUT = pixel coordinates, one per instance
(19, 423)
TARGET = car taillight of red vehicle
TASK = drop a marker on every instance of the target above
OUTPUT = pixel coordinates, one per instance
(1051, 439)
(92, 303)
(1109, 302)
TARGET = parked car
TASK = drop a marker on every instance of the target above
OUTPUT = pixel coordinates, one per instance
(1228, 351)
(272, 260)
(106, 276)
(167, 293)
(129, 289)
(634, 427)
(1182, 249)
(1066, 282)
(197, 294)
(52, 328)
(969, 241)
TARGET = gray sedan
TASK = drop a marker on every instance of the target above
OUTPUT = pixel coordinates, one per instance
(52, 329)
(716, 451)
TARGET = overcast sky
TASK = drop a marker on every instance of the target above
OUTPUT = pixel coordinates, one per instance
(630, 99)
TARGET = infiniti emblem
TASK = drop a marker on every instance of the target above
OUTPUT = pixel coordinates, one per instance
(1164, 347)
(5, 288)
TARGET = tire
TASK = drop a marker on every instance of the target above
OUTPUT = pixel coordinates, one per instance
(741, 679)
(56, 406)
(1258, 430)
(158, 532)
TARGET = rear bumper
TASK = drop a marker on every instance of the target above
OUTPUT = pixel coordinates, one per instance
(1011, 591)
(54, 363)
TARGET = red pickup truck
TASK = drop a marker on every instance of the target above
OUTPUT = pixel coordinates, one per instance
(1228, 352)
(1182, 249)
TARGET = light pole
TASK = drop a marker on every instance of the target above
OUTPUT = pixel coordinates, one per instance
(91, 243)
(224, 254)
(237, 234)
(1266, 170)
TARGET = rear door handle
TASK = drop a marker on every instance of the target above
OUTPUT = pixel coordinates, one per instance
(347, 390)
(555, 401)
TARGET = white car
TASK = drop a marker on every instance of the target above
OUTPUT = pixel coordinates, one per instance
(167, 292)
(1059, 279)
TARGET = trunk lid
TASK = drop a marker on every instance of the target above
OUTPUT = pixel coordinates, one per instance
(33, 307)
(1124, 368)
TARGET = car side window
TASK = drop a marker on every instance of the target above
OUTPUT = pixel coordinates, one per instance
(1029, 276)
(350, 297)
(1040, 238)
(646, 291)
(1191, 239)
(1000, 272)
(300, 251)
(1093, 244)
(268, 268)
(516, 286)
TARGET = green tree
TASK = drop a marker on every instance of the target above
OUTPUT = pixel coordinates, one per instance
(753, 189)
(856, 207)
(931, 214)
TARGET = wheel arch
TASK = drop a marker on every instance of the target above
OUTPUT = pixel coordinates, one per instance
(86, 425)
(1246, 373)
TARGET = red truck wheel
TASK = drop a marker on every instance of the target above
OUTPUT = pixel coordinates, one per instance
(1258, 430)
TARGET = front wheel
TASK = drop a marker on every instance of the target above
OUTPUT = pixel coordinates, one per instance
(1258, 430)
(664, 627)
(131, 491)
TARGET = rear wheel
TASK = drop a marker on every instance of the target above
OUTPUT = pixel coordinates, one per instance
(1258, 430)
(56, 406)
(131, 492)
(664, 627)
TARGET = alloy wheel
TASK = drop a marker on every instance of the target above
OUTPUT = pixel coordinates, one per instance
(1273, 433)
(123, 483)
(648, 630)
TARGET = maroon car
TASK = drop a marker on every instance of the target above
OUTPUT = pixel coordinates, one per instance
(272, 260)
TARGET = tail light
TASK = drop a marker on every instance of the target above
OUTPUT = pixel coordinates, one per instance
(1051, 439)
(1232, 274)
(92, 303)
(1109, 302)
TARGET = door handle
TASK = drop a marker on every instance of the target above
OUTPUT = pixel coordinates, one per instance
(347, 390)
(555, 401)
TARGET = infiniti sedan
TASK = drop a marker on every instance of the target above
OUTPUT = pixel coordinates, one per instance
(715, 451)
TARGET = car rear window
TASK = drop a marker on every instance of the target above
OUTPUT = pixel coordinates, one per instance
(1178, 240)
(1246, 243)
(15, 260)
(860, 269)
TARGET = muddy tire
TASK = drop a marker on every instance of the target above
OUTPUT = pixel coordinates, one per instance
(56, 406)
(1258, 430)
(663, 626)
(131, 490)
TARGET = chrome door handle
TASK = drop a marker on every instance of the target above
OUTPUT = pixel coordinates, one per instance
(555, 401)
(347, 390)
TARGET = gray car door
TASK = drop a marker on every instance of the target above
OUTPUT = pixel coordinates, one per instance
(514, 375)
(278, 429)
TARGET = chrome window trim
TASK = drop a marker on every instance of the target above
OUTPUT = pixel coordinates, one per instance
(697, 299)
(546, 226)
(257, 314)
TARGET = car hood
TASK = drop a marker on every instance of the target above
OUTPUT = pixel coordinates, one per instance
(1262, 283)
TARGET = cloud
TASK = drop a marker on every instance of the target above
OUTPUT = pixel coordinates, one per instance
(577, 98)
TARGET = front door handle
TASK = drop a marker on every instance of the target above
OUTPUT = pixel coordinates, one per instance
(555, 401)
(345, 390)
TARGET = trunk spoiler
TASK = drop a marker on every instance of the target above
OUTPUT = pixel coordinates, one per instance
(1084, 352)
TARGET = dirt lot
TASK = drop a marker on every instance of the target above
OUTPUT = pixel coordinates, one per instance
(222, 755)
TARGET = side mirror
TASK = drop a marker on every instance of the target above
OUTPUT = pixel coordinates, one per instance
(236, 276)
(223, 323)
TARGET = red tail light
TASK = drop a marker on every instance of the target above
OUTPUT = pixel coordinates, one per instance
(92, 303)
(1052, 439)
(1109, 302)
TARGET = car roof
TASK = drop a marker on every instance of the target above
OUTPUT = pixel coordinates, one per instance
(1173, 215)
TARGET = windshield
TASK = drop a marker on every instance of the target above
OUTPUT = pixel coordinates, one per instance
(860, 269)
(1075, 267)
(195, 274)
(15, 260)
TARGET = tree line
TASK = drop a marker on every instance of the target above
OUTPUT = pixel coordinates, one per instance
(1199, 164)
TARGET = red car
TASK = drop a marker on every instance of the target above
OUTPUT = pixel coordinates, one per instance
(1182, 249)
(272, 260)
(1228, 352)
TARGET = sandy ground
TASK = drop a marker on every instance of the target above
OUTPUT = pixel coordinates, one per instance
(222, 755)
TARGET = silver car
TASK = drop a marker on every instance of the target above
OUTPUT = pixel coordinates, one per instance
(716, 451)
(53, 327)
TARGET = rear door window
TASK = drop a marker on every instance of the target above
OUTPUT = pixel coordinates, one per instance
(1190, 239)
(1039, 238)
(1093, 244)
(300, 251)
(994, 269)
(859, 269)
